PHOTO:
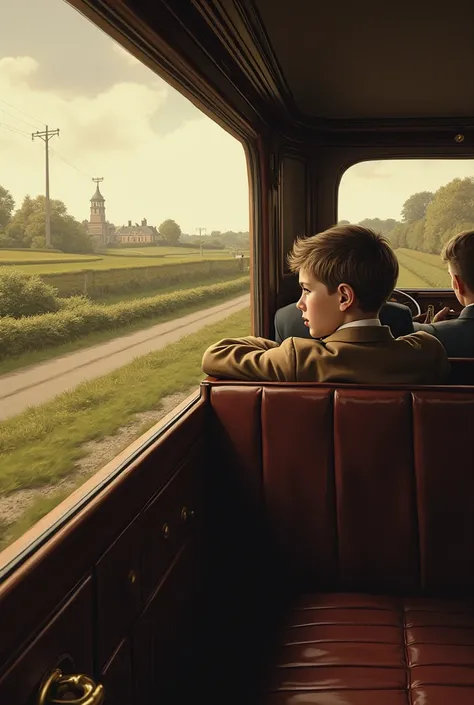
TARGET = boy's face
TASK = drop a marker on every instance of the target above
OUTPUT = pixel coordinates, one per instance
(322, 312)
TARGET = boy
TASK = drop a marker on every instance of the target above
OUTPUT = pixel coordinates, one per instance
(457, 335)
(346, 274)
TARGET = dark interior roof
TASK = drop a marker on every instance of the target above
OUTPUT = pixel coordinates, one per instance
(370, 59)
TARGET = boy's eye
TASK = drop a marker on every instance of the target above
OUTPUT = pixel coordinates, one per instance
(305, 290)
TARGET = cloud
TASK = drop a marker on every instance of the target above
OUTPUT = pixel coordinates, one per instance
(371, 170)
(124, 54)
(195, 173)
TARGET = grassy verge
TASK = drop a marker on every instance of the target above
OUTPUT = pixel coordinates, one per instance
(34, 357)
(41, 446)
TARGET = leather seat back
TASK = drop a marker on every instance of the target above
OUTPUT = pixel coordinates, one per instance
(364, 489)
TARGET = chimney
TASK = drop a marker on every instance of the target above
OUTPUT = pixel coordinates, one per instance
(129, 223)
(144, 223)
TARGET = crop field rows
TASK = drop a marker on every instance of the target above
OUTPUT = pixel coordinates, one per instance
(421, 270)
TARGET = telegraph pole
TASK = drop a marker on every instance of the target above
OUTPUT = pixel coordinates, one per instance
(46, 135)
(200, 235)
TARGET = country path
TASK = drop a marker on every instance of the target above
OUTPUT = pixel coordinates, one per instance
(37, 384)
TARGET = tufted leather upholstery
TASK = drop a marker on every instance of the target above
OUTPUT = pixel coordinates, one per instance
(369, 497)
(365, 650)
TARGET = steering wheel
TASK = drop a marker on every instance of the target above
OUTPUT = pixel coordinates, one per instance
(411, 299)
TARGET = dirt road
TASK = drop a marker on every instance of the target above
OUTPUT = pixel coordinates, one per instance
(37, 384)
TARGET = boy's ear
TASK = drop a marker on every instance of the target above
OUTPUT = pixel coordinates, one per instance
(458, 284)
(346, 296)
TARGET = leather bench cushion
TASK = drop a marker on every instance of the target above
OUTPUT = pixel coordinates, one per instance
(348, 649)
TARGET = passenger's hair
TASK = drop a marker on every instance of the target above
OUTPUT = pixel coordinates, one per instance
(459, 253)
(349, 254)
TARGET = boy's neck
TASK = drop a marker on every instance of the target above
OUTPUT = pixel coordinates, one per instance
(468, 299)
(358, 315)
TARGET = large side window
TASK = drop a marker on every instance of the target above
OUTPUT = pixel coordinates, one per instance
(417, 204)
(111, 289)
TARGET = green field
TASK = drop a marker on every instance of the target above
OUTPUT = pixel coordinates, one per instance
(417, 269)
(421, 270)
(50, 262)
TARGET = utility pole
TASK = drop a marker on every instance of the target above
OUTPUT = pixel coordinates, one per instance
(46, 135)
(200, 235)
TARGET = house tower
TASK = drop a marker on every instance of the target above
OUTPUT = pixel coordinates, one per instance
(97, 226)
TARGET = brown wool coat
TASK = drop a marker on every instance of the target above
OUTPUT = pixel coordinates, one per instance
(364, 355)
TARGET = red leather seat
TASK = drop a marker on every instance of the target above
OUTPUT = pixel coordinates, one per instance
(368, 496)
(350, 649)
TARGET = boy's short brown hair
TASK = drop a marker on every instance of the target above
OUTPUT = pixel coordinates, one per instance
(353, 255)
(459, 253)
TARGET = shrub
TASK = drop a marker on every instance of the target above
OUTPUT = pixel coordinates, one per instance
(25, 294)
(83, 317)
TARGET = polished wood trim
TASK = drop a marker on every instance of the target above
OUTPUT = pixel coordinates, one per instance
(69, 553)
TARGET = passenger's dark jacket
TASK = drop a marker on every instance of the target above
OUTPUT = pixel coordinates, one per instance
(457, 335)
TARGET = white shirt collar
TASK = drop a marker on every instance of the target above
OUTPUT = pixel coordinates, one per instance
(469, 305)
(361, 324)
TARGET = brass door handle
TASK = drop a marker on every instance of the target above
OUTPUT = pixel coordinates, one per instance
(58, 688)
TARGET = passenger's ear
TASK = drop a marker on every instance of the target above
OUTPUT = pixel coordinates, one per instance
(346, 296)
(458, 284)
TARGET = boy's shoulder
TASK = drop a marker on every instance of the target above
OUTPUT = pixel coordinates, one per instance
(423, 339)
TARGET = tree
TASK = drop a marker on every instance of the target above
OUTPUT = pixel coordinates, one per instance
(398, 236)
(415, 232)
(170, 231)
(415, 207)
(450, 210)
(380, 226)
(27, 227)
(7, 204)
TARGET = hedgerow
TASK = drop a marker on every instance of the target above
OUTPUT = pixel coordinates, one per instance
(82, 317)
(24, 294)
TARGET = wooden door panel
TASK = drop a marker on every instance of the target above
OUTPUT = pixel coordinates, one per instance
(117, 677)
(103, 545)
(118, 591)
(170, 519)
(165, 633)
(66, 641)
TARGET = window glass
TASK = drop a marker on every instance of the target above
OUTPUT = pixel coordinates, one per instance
(418, 204)
(107, 306)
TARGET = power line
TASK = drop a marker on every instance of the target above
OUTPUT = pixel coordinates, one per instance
(41, 122)
(52, 151)
(16, 117)
(46, 135)
(200, 235)
(73, 166)
(14, 129)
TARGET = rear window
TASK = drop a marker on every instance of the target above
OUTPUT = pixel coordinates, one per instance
(418, 204)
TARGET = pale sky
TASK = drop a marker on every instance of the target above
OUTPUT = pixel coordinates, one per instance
(159, 156)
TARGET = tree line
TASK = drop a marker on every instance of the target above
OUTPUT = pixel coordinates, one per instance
(25, 226)
(429, 219)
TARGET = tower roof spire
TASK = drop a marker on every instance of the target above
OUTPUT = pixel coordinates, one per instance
(97, 195)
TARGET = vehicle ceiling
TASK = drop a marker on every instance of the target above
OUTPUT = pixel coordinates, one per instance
(372, 59)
